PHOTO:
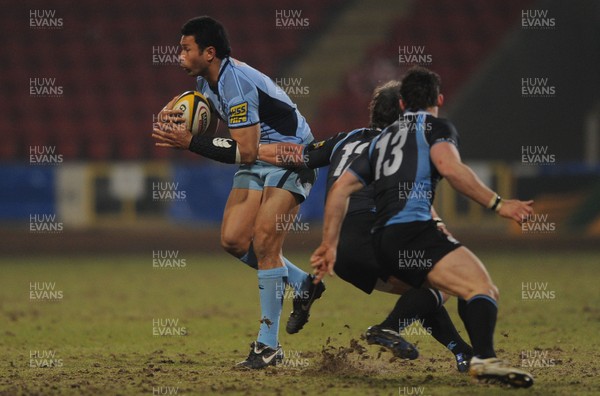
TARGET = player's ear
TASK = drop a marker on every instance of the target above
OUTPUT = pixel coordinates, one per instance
(440, 100)
(210, 53)
(402, 105)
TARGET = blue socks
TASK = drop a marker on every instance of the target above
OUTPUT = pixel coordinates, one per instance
(250, 258)
(296, 276)
(271, 285)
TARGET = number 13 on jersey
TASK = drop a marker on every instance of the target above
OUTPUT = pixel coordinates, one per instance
(391, 143)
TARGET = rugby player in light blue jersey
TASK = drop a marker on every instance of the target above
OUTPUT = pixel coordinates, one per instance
(263, 196)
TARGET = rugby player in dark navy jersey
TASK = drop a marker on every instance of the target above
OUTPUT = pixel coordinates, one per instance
(263, 196)
(404, 163)
(356, 262)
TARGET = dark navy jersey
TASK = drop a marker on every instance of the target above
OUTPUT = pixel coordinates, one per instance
(399, 166)
(244, 97)
(338, 152)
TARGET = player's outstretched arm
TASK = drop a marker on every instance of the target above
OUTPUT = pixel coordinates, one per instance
(447, 160)
(323, 259)
(313, 156)
(282, 154)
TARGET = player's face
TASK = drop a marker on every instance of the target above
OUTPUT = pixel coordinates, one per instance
(194, 61)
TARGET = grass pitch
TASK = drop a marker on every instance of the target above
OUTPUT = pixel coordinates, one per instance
(120, 326)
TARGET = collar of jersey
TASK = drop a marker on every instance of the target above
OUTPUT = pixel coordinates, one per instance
(224, 63)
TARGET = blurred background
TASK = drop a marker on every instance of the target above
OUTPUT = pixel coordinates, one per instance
(82, 82)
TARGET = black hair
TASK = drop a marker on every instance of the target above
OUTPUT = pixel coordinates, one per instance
(420, 88)
(208, 32)
(384, 108)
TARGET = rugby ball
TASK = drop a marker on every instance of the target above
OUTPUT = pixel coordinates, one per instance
(196, 111)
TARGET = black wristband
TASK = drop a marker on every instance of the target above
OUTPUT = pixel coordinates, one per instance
(496, 203)
(218, 149)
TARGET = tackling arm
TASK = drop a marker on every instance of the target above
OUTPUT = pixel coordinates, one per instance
(315, 155)
(282, 154)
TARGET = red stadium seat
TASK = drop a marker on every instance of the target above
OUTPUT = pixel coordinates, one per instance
(103, 59)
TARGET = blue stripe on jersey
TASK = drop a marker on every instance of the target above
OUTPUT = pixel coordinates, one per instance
(354, 132)
(418, 205)
(373, 143)
(360, 179)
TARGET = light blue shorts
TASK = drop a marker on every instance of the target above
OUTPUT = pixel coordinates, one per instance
(261, 174)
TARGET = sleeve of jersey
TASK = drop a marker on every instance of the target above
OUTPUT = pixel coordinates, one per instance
(361, 168)
(242, 98)
(443, 131)
(318, 154)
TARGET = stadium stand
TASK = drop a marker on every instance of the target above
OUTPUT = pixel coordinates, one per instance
(102, 59)
(448, 31)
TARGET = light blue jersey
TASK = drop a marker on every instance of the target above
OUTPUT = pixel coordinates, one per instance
(246, 97)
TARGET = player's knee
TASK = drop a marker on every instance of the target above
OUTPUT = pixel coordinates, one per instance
(495, 292)
(235, 246)
(487, 289)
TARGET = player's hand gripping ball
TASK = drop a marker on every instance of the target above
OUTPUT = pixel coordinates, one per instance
(196, 111)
